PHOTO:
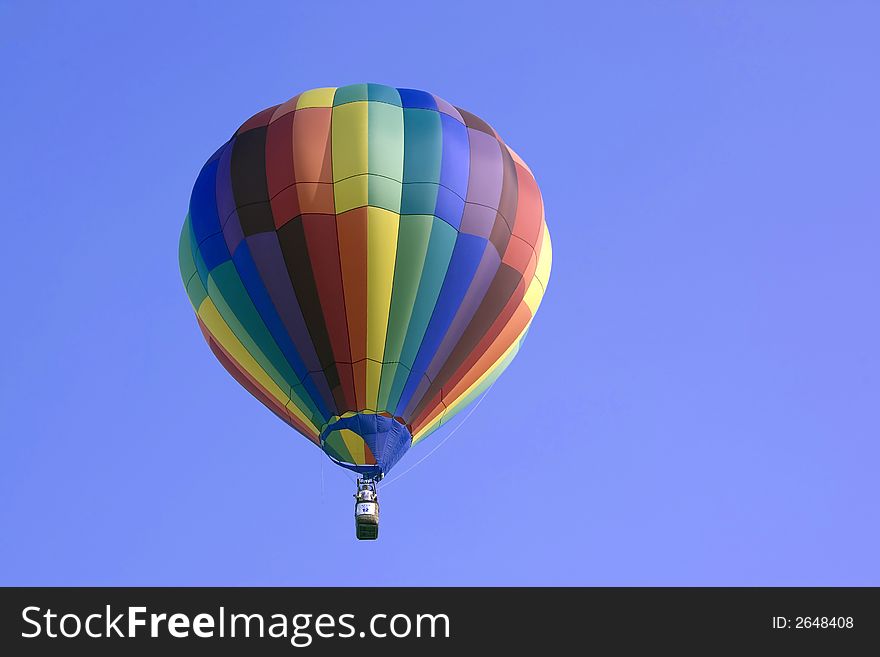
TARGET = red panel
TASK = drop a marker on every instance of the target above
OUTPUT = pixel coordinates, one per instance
(359, 369)
(279, 155)
(529, 207)
(346, 383)
(499, 326)
(322, 244)
(285, 206)
(316, 198)
(433, 408)
(352, 227)
(258, 120)
(285, 108)
(518, 254)
(507, 337)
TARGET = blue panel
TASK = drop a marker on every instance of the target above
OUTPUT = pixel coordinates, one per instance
(417, 99)
(463, 266)
(450, 207)
(456, 164)
(387, 438)
(364, 425)
(203, 203)
(207, 232)
(253, 283)
(214, 251)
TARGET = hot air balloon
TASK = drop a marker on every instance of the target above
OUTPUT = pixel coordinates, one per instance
(365, 261)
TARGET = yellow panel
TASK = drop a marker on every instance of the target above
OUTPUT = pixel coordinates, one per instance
(238, 329)
(351, 193)
(374, 376)
(533, 295)
(355, 445)
(315, 437)
(350, 153)
(537, 287)
(223, 334)
(428, 429)
(545, 259)
(382, 228)
(322, 97)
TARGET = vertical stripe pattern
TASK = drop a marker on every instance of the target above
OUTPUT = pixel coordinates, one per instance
(365, 261)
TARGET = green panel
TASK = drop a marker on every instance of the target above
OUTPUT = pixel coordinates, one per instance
(419, 198)
(235, 306)
(195, 289)
(423, 145)
(184, 252)
(385, 141)
(303, 401)
(350, 94)
(440, 246)
(384, 193)
(336, 447)
(412, 246)
(198, 259)
(383, 94)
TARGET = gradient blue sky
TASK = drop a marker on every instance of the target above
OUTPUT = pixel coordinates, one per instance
(697, 402)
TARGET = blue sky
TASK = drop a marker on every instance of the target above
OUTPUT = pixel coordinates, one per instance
(698, 400)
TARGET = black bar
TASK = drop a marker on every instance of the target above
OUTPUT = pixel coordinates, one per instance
(507, 619)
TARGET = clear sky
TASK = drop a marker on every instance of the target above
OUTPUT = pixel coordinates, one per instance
(698, 401)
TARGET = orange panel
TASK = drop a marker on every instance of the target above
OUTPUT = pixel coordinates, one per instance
(311, 141)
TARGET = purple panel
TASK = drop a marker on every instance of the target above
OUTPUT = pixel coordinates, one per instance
(448, 109)
(225, 200)
(269, 259)
(476, 292)
(478, 220)
(486, 170)
(421, 389)
(232, 232)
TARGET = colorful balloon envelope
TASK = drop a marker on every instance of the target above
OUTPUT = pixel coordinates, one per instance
(365, 261)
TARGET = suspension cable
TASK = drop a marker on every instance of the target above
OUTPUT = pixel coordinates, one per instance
(442, 442)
